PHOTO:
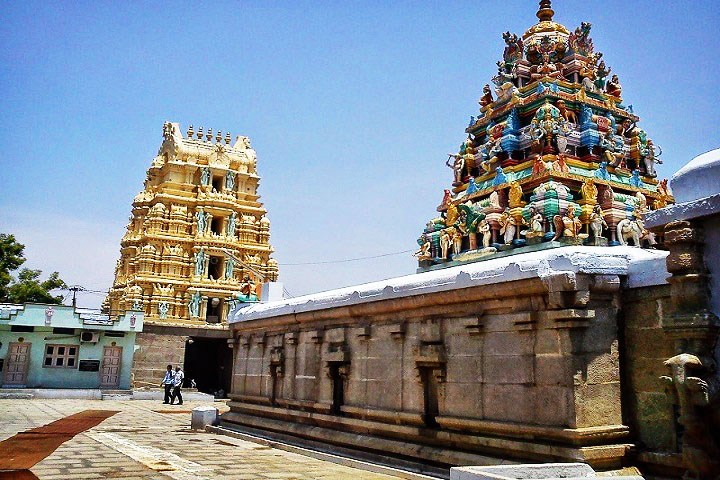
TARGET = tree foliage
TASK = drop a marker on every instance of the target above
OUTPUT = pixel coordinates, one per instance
(28, 287)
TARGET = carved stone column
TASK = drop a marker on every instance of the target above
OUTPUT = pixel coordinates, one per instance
(691, 325)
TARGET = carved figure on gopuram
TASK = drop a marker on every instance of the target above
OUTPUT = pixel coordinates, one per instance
(555, 156)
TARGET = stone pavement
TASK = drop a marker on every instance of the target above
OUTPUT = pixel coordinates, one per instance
(145, 441)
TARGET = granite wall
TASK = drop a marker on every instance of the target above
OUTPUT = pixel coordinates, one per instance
(526, 370)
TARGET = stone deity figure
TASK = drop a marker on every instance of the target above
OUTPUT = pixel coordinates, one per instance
(487, 97)
(205, 176)
(494, 199)
(489, 153)
(472, 187)
(163, 309)
(229, 266)
(567, 225)
(231, 224)
(451, 215)
(194, 304)
(536, 223)
(612, 147)
(230, 180)
(602, 72)
(570, 222)
(484, 229)
(445, 242)
(200, 262)
(602, 172)
(201, 218)
(546, 69)
(613, 88)
(509, 227)
(597, 222)
(515, 194)
(546, 127)
(458, 167)
(423, 252)
(650, 158)
(457, 240)
(589, 191)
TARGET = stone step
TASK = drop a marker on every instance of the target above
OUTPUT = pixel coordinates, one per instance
(16, 396)
(117, 395)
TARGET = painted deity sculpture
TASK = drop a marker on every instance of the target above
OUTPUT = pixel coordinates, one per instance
(200, 262)
(194, 304)
(205, 176)
(202, 222)
(230, 180)
(546, 127)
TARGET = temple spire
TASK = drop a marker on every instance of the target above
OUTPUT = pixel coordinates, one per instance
(545, 12)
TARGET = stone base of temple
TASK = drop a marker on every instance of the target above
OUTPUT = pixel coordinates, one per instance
(458, 441)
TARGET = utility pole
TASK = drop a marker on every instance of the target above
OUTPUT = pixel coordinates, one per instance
(75, 289)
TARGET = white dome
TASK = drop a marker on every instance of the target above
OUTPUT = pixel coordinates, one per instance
(699, 178)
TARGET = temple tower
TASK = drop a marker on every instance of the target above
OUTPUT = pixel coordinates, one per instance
(554, 157)
(197, 243)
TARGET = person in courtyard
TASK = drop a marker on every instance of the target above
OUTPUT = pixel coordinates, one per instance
(178, 379)
(168, 383)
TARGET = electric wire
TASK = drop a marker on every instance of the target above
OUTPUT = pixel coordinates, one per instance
(345, 260)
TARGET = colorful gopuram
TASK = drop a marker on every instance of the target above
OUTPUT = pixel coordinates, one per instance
(555, 157)
(198, 239)
(197, 242)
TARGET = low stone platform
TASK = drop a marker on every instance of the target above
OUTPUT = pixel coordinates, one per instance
(96, 394)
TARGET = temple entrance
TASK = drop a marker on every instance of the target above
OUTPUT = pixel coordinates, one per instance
(208, 361)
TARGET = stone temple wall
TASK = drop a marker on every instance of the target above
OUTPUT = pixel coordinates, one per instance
(153, 352)
(647, 408)
(527, 369)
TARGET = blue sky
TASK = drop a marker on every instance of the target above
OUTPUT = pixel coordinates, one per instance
(351, 107)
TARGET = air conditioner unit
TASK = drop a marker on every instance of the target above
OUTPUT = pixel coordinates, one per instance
(90, 337)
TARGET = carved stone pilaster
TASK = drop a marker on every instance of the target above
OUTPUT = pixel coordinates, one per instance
(691, 325)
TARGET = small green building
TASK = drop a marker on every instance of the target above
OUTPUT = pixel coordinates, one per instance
(52, 346)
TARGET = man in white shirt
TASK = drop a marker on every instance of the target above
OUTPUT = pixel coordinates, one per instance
(168, 382)
(178, 379)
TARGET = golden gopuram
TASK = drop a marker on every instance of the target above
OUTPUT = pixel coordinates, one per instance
(198, 242)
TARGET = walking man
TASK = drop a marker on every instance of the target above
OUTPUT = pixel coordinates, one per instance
(178, 379)
(168, 382)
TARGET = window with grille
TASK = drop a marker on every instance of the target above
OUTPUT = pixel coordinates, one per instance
(61, 356)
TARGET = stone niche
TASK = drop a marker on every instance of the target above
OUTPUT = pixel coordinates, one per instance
(516, 358)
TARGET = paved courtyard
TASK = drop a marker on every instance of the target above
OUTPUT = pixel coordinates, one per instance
(149, 440)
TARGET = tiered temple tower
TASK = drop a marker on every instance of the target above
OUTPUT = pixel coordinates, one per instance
(197, 241)
(555, 157)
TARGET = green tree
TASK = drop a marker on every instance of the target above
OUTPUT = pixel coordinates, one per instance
(28, 287)
(11, 257)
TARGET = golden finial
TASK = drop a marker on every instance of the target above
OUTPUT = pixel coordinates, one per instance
(208, 135)
(545, 13)
(227, 138)
(200, 133)
(190, 131)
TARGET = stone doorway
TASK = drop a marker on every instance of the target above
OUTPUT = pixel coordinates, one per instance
(18, 362)
(208, 361)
